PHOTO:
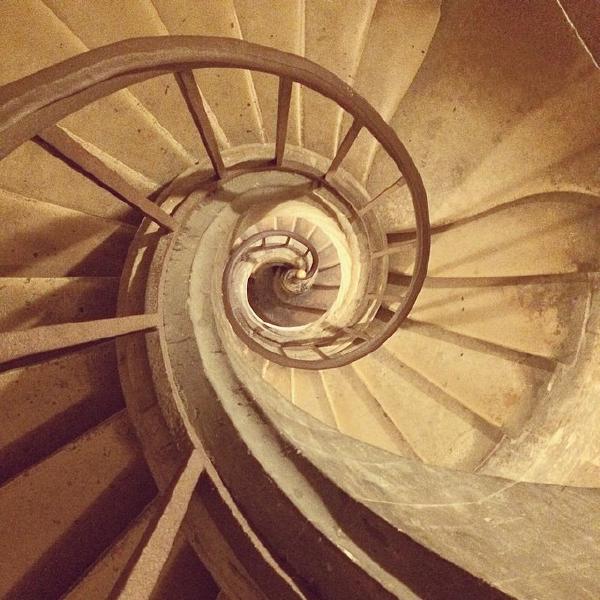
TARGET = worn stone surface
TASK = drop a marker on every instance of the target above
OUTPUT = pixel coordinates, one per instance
(485, 118)
(45, 240)
(490, 124)
(54, 532)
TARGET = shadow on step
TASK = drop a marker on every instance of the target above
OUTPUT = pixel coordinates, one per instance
(79, 547)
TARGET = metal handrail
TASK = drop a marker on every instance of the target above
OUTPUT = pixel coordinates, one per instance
(33, 105)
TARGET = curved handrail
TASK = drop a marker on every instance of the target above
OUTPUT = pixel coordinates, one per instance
(32, 104)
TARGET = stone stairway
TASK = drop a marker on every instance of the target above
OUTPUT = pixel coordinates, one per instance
(492, 375)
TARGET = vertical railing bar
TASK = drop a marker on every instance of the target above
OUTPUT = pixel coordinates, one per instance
(195, 104)
(345, 146)
(283, 111)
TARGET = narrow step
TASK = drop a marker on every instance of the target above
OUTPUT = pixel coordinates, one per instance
(33, 172)
(28, 302)
(397, 41)
(255, 19)
(117, 124)
(100, 579)
(437, 430)
(539, 319)
(359, 415)
(557, 234)
(336, 44)
(47, 405)
(521, 117)
(45, 240)
(279, 377)
(500, 391)
(67, 510)
(308, 393)
(160, 96)
(229, 92)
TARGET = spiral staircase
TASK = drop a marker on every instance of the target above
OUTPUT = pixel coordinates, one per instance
(299, 299)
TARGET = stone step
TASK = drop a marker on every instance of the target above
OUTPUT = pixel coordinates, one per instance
(279, 377)
(45, 240)
(358, 414)
(547, 234)
(101, 578)
(117, 125)
(308, 393)
(437, 429)
(336, 44)
(47, 405)
(255, 19)
(499, 390)
(102, 24)
(482, 116)
(29, 302)
(397, 40)
(229, 92)
(65, 511)
(32, 171)
(543, 319)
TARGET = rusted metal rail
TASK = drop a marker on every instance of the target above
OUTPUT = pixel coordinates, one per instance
(33, 106)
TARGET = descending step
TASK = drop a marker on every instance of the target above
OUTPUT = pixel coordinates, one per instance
(46, 405)
(308, 393)
(337, 45)
(256, 24)
(483, 116)
(33, 172)
(543, 319)
(398, 39)
(547, 234)
(436, 427)
(358, 414)
(100, 579)
(45, 240)
(279, 377)
(501, 391)
(117, 124)
(110, 23)
(229, 93)
(29, 302)
(65, 511)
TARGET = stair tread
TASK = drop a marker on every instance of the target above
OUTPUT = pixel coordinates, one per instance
(515, 117)
(45, 240)
(31, 302)
(46, 405)
(116, 124)
(437, 434)
(335, 44)
(229, 92)
(501, 391)
(279, 377)
(397, 40)
(256, 23)
(308, 393)
(540, 319)
(32, 171)
(541, 235)
(110, 23)
(100, 579)
(358, 414)
(48, 507)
